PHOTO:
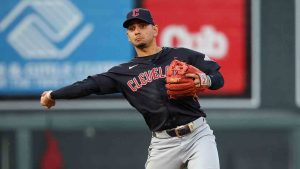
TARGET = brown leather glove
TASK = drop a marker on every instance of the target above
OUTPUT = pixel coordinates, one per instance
(185, 80)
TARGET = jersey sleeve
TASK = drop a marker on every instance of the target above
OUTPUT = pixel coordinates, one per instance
(105, 83)
(97, 84)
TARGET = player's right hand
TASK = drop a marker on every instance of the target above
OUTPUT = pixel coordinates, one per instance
(46, 100)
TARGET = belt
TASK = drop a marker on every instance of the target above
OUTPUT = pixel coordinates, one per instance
(180, 131)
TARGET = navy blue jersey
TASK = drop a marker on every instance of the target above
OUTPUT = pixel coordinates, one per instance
(142, 82)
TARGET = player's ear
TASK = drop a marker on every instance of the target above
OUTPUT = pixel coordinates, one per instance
(127, 36)
(155, 28)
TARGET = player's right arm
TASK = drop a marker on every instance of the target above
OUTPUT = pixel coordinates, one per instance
(98, 84)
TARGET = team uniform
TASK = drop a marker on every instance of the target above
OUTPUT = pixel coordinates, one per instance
(142, 83)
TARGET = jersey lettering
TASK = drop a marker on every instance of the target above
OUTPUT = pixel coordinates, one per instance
(136, 83)
(146, 77)
(155, 73)
(130, 84)
(161, 75)
(142, 79)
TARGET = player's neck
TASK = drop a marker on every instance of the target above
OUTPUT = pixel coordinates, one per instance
(144, 52)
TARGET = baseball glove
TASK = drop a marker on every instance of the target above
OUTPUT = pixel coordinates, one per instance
(178, 83)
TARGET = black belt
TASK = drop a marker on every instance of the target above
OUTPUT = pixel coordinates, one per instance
(179, 131)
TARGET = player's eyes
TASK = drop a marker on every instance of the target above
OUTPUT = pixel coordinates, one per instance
(140, 26)
(131, 28)
(143, 25)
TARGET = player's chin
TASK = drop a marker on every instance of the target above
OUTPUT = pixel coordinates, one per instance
(141, 45)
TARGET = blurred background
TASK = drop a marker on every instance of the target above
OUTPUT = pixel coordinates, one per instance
(46, 44)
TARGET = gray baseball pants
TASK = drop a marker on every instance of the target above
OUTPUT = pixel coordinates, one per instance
(196, 150)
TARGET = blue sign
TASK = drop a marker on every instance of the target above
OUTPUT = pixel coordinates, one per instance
(45, 45)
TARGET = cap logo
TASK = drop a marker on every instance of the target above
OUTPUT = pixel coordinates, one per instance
(135, 12)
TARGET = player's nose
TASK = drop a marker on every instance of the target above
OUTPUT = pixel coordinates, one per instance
(137, 31)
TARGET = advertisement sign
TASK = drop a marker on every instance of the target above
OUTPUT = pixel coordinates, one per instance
(228, 32)
(216, 28)
(48, 44)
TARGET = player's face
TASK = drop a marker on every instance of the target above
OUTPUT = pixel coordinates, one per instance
(141, 34)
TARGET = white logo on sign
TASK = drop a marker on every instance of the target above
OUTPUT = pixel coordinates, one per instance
(37, 35)
(208, 40)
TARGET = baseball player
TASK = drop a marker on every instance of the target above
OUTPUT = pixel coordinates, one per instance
(180, 133)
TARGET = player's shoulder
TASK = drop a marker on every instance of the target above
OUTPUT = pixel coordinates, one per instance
(187, 51)
(122, 68)
(188, 54)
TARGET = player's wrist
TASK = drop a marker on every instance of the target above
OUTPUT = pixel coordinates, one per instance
(208, 81)
(205, 80)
